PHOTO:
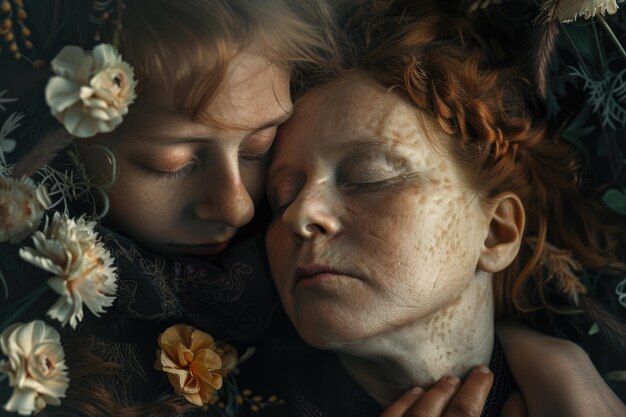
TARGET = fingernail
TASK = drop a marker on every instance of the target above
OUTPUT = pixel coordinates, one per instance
(482, 369)
(453, 380)
(416, 390)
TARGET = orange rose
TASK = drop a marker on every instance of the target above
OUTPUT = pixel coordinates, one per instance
(195, 364)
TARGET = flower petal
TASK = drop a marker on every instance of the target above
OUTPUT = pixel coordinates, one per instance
(104, 55)
(61, 93)
(67, 61)
(22, 401)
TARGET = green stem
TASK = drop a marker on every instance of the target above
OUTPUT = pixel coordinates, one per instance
(612, 36)
(582, 62)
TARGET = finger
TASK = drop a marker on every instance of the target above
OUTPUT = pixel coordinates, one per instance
(469, 401)
(402, 404)
(434, 401)
(514, 406)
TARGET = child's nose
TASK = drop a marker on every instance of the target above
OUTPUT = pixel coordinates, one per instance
(227, 200)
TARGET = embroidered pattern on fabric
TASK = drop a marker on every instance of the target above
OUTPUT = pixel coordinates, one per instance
(127, 289)
(127, 355)
(304, 407)
(188, 280)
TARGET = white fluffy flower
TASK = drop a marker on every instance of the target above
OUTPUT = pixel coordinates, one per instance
(35, 366)
(22, 205)
(82, 268)
(91, 92)
(568, 10)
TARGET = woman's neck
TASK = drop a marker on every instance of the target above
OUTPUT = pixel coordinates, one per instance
(448, 341)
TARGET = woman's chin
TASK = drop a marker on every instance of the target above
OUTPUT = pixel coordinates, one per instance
(328, 335)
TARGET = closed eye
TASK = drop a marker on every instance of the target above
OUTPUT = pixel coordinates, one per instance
(387, 182)
(171, 175)
(254, 157)
(373, 185)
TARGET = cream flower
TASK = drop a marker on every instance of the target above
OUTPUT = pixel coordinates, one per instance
(195, 364)
(568, 10)
(91, 92)
(22, 205)
(82, 267)
(35, 366)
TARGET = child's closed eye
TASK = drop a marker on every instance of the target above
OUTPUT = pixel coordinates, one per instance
(166, 175)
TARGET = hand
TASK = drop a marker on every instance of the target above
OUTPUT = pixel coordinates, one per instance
(556, 376)
(448, 398)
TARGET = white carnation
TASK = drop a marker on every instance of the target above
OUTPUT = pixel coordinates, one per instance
(82, 268)
(35, 366)
(568, 10)
(90, 92)
(22, 205)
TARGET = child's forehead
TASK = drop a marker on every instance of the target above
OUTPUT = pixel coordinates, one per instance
(255, 97)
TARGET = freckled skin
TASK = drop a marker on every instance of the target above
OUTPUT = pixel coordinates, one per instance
(410, 304)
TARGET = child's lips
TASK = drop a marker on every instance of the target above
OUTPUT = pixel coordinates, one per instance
(210, 248)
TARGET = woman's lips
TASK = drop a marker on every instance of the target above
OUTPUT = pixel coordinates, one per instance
(310, 275)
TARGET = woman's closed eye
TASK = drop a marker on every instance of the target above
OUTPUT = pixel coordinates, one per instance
(369, 174)
(373, 173)
(373, 184)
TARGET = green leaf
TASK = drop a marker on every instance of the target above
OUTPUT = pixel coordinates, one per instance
(615, 200)
(583, 39)
(593, 330)
(577, 129)
(573, 133)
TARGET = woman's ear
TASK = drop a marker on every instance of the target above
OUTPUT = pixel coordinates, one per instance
(506, 227)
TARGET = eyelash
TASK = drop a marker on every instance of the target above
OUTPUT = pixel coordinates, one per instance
(171, 175)
(371, 186)
(254, 156)
(355, 187)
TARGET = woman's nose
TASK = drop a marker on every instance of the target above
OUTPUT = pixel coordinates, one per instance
(312, 214)
(226, 200)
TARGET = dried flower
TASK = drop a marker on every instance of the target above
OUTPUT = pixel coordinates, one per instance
(568, 10)
(91, 92)
(22, 205)
(36, 366)
(82, 267)
(195, 364)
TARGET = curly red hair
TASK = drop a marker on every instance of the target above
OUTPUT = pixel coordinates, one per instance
(500, 139)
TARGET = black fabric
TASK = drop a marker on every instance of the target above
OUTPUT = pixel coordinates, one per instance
(316, 385)
(231, 297)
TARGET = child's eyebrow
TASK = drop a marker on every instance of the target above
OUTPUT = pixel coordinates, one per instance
(170, 138)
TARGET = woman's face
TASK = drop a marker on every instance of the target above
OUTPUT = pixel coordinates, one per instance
(374, 228)
(184, 186)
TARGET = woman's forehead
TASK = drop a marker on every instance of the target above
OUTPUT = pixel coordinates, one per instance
(357, 109)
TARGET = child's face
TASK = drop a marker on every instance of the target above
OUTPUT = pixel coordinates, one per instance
(184, 186)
